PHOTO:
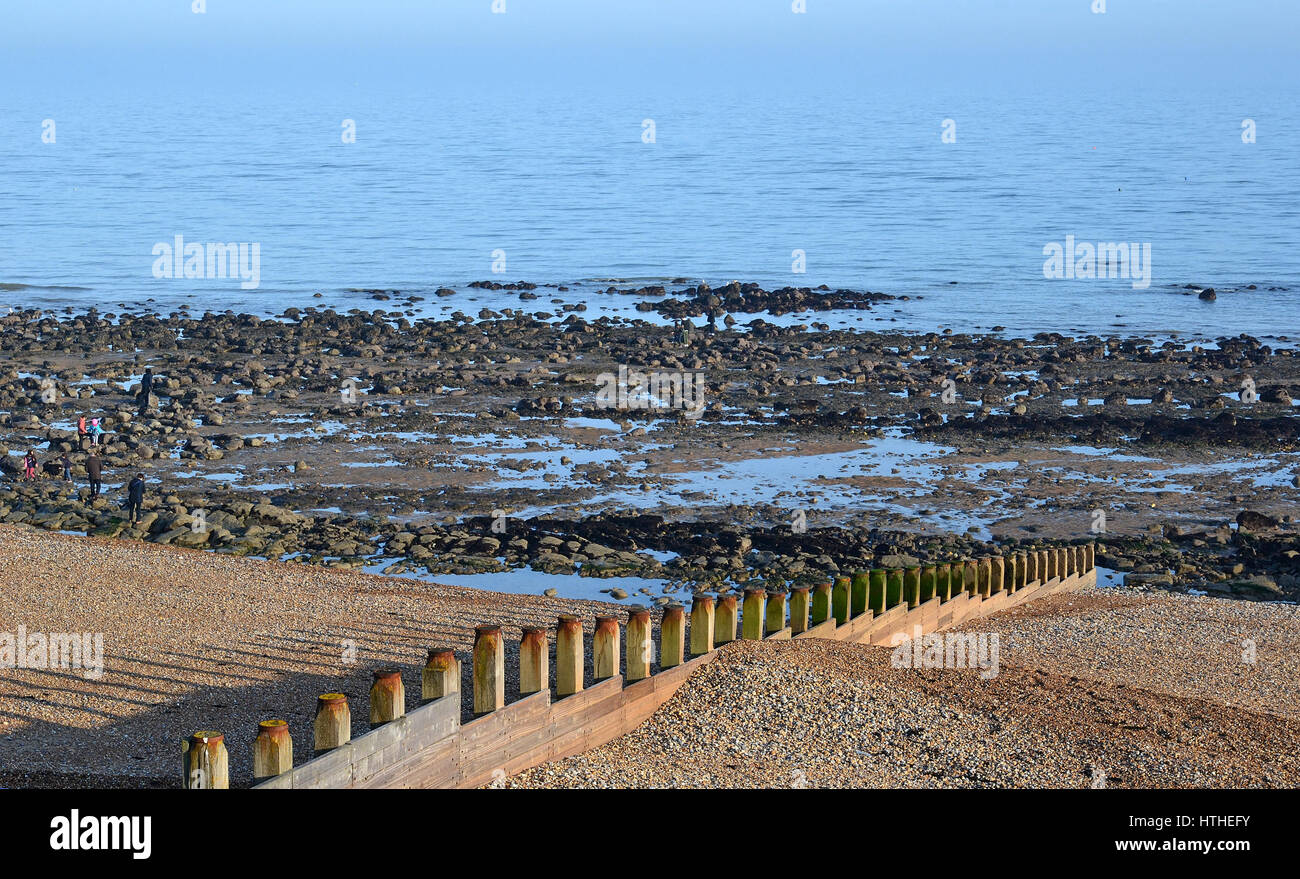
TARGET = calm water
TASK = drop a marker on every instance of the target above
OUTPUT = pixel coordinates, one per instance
(564, 184)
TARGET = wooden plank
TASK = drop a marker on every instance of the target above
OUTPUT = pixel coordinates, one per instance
(429, 748)
(821, 630)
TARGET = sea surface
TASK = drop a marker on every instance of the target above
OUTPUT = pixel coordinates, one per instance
(559, 186)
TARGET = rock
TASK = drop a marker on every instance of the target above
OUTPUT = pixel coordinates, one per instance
(1249, 520)
(1207, 295)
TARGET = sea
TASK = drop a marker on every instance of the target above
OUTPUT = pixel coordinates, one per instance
(954, 197)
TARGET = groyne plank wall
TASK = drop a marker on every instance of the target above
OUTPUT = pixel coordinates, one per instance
(431, 748)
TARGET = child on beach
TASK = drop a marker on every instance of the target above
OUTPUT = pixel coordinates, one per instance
(29, 466)
(67, 467)
(96, 432)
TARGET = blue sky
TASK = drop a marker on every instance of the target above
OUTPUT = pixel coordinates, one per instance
(578, 24)
(94, 39)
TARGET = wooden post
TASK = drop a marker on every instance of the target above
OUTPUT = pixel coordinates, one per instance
(983, 575)
(997, 574)
(927, 583)
(672, 636)
(858, 592)
(387, 696)
(604, 649)
(1092, 556)
(775, 611)
(1032, 572)
(205, 763)
(640, 645)
(703, 619)
(440, 675)
(970, 577)
(840, 600)
(568, 656)
(1046, 567)
(893, 588)
(942, 573)
(876, 597)
(751, 619)
(489, 669)
(912, 586)
(726, 619)
(272, 750)
(333, 724)
(799, 606)
(534, 660)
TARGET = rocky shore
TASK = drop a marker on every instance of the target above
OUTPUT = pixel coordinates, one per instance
(477, 444)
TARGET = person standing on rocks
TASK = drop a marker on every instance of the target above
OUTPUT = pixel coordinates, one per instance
(93, 465)
(67, 467)
(96, 432)
(146, 390)
(135, 497)
(29, 466)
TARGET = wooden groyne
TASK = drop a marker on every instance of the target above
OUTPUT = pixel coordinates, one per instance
(431, 748)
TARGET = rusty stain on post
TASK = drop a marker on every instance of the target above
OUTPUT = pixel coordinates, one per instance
(387, 696)
(333, 724)
(489, 669)
(440, 675)
(534, 661)
(640, 644)
(726, 618)
(272, 749)
(703, 618)
(672, 636)
(605, 661)
(568, 655)
(205, 763)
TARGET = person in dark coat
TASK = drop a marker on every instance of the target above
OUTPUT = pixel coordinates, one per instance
(67, 467)
(93, 466)
(135, 496)
(146, 388)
